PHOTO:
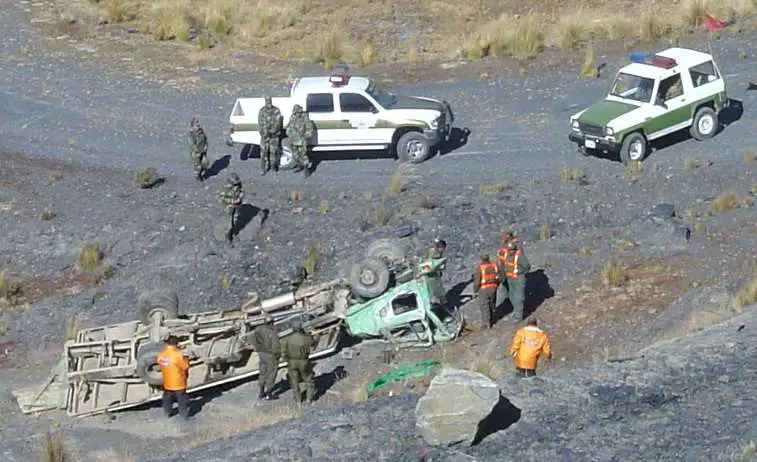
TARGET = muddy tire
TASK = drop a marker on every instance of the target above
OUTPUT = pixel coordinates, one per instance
(386, 250)
(147, 364)
(369, 278)
(159, 301)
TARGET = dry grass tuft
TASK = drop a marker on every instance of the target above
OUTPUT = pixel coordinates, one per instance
(72, 328)
(367, 54)
(494, 188)
(652, 27)
(255, 420)
(693, 12)
(382, 215)
(747, 452)
(750, 156)
(11, 290)
(358, 394)
(726, 201)
(573, 174)
(90, 257)
(295, 196)
(633, 167)
(403, 178)
(429, 202)
(613, 274)
(746, 296)
(168, 20)
(690, 164)
(589, 69)
(118, 11)
(487, 367)
(310, 261)
(226, 280)
(329, 49)
(324, 207)
(545, 233)
(700, 228)
(500, 38)
(147, 178)
(47, 215)
(54, 449)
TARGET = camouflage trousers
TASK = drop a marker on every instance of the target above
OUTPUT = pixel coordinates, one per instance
(301, 371)
(300, 153)
(199, 162)
(233, 211)
(269, 147)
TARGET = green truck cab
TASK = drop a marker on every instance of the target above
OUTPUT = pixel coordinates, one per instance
(401, 302)
(654, 96)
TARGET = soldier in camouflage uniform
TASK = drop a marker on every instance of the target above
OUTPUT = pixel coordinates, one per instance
(266, 341)
(299, 130)
(269, 126)
(295, 349)
(232, 196)
(198, 149)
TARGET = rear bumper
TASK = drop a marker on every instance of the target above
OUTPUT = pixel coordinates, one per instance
(600, 143)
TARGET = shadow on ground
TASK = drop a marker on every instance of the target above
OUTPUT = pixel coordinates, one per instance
(503, 415)
(247, 213)
(537, 291)
(323, 382)
(218, 166)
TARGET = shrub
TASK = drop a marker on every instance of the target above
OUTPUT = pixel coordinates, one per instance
(613, 274)
(90, 257)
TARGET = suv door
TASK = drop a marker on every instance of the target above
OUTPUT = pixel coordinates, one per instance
(361, 117)
(671, 109)
(321, 110)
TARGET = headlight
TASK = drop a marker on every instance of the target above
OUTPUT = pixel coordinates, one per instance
(609, 131)
(435, 123)
(574, 124)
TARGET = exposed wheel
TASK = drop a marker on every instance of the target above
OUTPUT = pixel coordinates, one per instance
(147, 364)
(369, 278)
(387, 250)
(705, 124)
(159, 301)
(286, 157)
(413, 147)
(634, 148)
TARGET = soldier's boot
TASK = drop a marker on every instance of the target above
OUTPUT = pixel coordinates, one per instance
(264, 168)
(230, 237)
(262, 393)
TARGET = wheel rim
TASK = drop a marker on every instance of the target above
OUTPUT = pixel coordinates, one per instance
(367, 277)
(705, 125)
(285, 158)
(636, 150)
(415, 149)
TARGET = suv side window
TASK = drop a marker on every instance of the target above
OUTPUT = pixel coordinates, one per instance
(320, 102)
(703, 73)
(670, 88)
(404, 303)
(353, 102)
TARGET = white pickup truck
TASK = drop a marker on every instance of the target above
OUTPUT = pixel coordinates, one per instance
(350, 114)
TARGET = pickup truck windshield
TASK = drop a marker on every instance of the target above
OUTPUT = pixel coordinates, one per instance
(386, 100)
(633, 87)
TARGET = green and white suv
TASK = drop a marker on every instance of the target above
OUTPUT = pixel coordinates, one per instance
(652, 97)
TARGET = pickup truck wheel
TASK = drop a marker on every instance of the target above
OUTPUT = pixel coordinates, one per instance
(634, 148)
(413, 147)
(705, 124)
(147, 364)
(159, 301)
(286, 158)
(369, 278)
(387, 250)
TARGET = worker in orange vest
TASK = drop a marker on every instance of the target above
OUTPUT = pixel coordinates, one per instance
(485, 283)
(529, 343)
(174, 366)
(513, 267)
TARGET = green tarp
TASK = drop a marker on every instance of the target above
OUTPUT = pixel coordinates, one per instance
(404, 371)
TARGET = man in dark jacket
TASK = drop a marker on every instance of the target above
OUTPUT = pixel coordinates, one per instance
(268, 347)
(296, 351)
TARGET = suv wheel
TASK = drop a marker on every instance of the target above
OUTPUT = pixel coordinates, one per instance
(413, 147)
(634, 148)
(705, 124)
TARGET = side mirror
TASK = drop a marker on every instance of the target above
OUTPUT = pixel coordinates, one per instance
(711, 78)
(661, 103)
(374, 110)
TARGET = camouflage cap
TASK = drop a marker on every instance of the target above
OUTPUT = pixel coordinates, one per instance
(268, 99)
(234, 179)
(194, 122)
(297, 108)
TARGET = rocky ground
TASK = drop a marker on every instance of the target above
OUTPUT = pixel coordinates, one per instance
(75, 131)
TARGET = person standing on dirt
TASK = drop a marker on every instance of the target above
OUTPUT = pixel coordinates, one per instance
(485, 283)
(232, 196)
(267, 345)
(198, 149)
(295, 349)
(435, 278)
(299, 130)
(529, 343)
(514, 266)
(269, 125)
(174, 366)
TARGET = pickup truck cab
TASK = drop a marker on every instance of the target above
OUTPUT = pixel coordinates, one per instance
(654, 96)
(351, 113)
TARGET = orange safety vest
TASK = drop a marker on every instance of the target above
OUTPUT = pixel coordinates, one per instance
(511, 263)
(489, 278)
(175, 368)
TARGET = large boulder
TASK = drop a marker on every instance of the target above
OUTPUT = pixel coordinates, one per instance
(454, 406)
